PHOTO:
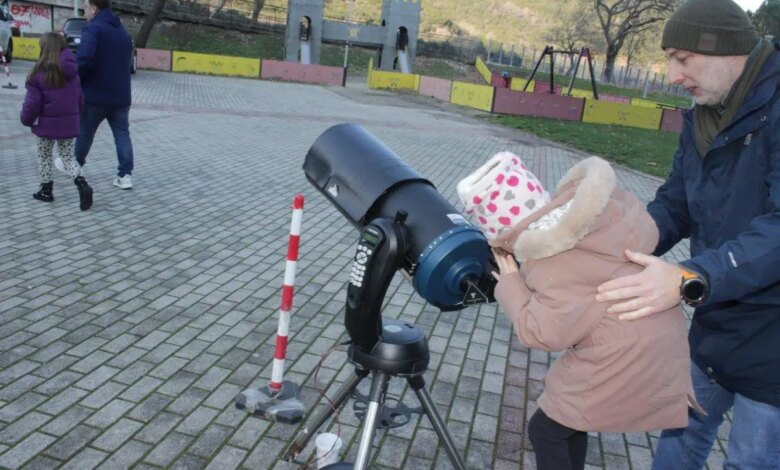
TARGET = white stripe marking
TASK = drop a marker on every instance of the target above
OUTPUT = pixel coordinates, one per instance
(284, 323)
(297, 218)
(289, 273)
(276, 373)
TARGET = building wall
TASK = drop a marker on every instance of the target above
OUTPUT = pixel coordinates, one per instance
(36, 18)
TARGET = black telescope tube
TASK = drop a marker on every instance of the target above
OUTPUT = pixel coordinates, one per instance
(366, 180)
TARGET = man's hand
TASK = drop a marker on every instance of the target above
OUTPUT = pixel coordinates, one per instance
(506, 263)
(654, 289)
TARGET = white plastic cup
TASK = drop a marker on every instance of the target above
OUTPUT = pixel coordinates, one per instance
(328, 447)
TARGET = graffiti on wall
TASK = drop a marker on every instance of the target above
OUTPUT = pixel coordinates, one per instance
(30, 18)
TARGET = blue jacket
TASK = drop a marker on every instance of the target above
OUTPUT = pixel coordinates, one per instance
(728, 204)
(104, 61)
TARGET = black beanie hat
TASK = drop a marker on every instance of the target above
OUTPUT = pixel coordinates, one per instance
(710, 27)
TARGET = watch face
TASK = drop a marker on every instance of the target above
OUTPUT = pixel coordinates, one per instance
(693, 290)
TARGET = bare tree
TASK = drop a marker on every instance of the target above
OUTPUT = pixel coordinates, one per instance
(632, 44)
(620, 19)
(151, 19)
(256, 10)
(218, 8)
(575, 28)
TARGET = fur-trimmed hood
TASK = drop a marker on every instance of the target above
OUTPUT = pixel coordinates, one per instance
(587, 189)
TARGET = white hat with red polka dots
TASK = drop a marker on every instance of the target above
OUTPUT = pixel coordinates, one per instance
(501, 193)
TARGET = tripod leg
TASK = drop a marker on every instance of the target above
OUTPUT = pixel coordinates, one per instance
(323, 414)
(418, 385)
(376, 399)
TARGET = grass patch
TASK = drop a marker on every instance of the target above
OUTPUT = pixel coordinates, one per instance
(648, 151)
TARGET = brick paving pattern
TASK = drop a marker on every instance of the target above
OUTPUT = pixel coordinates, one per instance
(126, 331)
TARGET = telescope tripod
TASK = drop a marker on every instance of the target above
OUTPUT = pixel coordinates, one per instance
(403, 352)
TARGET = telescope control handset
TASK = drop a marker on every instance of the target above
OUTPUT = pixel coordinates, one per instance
(380, 253)
(371, 239)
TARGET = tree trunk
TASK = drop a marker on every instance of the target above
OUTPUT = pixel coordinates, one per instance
(218, 8)
(609, 67)
(256, 10)
(151, 19)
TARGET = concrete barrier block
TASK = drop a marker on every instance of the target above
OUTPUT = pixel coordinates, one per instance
(473, 96)
(27, 48)
(438, 88)
(604, 112)
(305, 73)
(393, 80)
(215, 64)
(538, 105)
(672, 120)
(544, 87)
(518, 84)
(154, 59)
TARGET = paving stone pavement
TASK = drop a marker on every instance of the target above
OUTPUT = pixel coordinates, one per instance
(126, 331)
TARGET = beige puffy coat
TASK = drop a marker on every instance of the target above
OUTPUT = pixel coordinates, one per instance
(615, 376)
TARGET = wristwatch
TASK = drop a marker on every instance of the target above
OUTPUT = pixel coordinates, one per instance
(693, 287)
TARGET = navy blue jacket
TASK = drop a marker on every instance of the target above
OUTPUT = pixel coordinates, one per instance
(728, 204)
(104, 61)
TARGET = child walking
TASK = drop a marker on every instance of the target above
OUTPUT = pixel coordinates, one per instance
(51, 108)
(614, 376)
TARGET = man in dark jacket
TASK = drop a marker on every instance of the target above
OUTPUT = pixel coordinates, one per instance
(104, 66)
(724, 195)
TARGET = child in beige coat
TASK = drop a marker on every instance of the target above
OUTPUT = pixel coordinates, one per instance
(616, 376)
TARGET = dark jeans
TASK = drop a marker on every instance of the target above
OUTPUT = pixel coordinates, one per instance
(118, 119)
(556, 446)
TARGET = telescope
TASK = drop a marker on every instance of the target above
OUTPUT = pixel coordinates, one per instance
(445, 257)
(405, 225)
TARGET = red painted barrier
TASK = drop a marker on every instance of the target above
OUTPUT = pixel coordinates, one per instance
(672, 120)
(306, 73)
(538, 104)
(154, 59)
(438, 88)
(500, 82)
(544, 87)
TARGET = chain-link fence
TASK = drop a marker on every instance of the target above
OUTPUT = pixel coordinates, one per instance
(622, 76)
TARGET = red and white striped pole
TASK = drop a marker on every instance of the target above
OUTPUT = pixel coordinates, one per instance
(277, 373)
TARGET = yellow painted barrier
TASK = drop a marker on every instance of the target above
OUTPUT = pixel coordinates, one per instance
(483, 70)
(578, 93)
(27, 48)
(644, 103)
(215, 64)
(603, 112)
(518, 83)
(473, 96)
(393, 80)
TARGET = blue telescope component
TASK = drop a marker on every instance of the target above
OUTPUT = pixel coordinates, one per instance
(447, 258)
(447, 262)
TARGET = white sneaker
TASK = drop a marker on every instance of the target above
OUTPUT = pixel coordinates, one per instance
(123, 182)
(60, 166)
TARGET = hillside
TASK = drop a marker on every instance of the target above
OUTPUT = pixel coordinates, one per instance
(519, 22)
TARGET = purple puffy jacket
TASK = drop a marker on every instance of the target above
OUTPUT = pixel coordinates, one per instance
(57, 110)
